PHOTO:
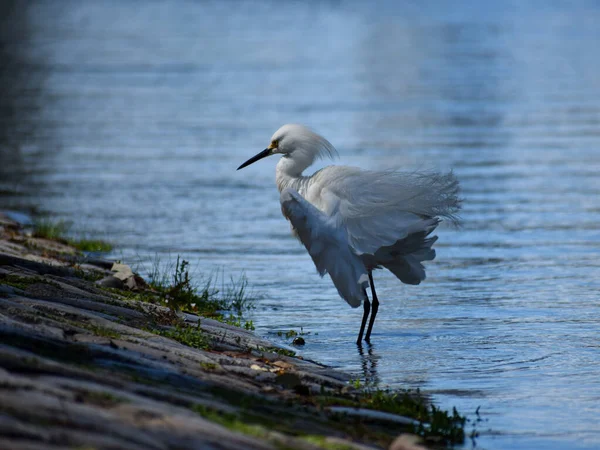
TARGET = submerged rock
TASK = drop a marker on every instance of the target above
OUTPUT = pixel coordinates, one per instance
(299, 341)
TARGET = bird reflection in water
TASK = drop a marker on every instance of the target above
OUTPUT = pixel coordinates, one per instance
(368, 362)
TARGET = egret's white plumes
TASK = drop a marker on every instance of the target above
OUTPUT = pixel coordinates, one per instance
(352, 221)
(327, 245)
(297, 139)
(380, 208)
(301, 147)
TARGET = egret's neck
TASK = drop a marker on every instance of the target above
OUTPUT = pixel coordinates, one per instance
(288, 174)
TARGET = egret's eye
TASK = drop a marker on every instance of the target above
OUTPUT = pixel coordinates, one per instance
(274, 143)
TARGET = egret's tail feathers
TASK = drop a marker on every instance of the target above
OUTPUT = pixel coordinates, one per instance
(327, 245)
(408, 269)
(405, 256)
(378, 208)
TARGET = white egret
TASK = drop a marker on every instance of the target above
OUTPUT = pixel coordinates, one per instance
(353, 221)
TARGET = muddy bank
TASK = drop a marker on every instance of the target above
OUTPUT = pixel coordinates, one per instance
(83, 365)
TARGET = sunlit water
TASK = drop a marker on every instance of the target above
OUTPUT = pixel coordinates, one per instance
(129, 120)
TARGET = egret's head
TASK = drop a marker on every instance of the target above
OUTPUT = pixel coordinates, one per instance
(297, 142)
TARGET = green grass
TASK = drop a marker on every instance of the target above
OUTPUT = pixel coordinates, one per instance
(192, 336)
(435, 424)
(294, 334)
(103, 398)
(175, 289)
(322, 442)
(254, 422)
(88, 275)
(91, 245)
(209, 366)
(101, 331)
(97, 330)
(262, 431)
(59, 230)
(279, 351)
(240, 322)
(23, 282)
(17, 281)
(171, 285)
(230, 421)
(49, 229)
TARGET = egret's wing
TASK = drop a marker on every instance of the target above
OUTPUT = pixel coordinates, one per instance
(379, 209)
(327, 245)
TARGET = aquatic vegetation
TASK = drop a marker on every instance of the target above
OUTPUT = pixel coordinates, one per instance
(443, 426)
(434, 424)
(436, 427)
(297, 336)
(288, 334)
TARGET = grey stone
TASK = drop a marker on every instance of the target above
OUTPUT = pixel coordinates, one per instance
(371, 414)
(111, 282)
(7, 290)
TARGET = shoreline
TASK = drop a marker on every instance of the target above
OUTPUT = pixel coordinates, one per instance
(86, 365)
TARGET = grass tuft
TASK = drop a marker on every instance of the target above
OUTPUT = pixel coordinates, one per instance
(192, 336)
(176, 290)
(278, 350)
(49, 229)
(435, 425)
(91, 245)
(59, 230)
(325, 443)
(231, 421)
(104, 399)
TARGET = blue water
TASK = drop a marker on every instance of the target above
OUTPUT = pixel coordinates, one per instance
(129, 119)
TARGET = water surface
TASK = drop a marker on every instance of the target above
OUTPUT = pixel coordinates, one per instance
(130, 118)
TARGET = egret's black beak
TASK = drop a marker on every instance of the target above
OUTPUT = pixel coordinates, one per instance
(266, 152)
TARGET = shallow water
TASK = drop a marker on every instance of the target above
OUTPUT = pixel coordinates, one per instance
(129, 119)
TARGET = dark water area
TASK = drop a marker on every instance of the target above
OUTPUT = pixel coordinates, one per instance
(129, 119)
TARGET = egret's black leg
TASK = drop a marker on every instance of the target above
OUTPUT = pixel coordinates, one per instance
(375, 308)
(367, 308)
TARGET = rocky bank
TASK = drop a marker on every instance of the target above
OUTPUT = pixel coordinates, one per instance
(90, 367)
